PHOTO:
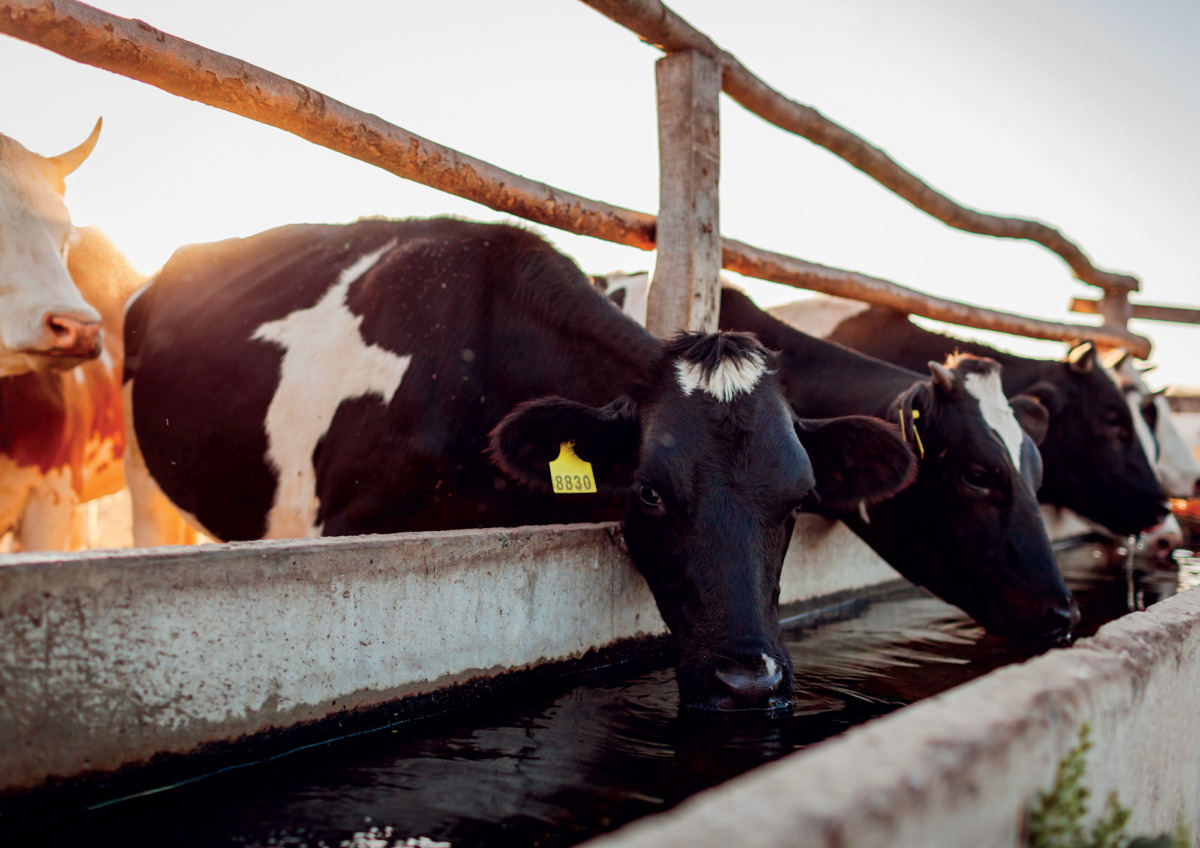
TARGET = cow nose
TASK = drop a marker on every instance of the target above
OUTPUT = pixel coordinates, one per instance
(1060, 621)
(750, 685)
(72, 335)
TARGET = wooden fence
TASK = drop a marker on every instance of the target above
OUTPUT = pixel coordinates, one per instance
(686, 232)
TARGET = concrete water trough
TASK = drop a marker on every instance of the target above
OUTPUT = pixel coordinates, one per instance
(110, 659)
(114, 660)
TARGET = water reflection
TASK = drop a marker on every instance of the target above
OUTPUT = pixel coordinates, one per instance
(581, 759)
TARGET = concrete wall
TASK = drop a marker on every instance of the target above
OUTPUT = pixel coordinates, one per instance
(108, 658)
(960, 769)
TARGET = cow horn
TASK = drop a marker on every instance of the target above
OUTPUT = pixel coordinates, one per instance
(1082, 358)
(943, 377)
(1147, 369)
(1160, 393)
(67, 162)
(1115, 358)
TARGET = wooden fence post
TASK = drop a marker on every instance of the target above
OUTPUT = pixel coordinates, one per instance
(1116, 309)
(685, 290)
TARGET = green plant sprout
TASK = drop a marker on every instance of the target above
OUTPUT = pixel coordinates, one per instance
(1057, 817)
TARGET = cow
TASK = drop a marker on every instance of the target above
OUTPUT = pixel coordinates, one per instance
(1094, 462)
(1176, 465)
(1177, 468)
(388, 376)
(61, 301)
(969, 529)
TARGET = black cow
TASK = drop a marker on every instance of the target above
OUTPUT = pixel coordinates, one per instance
(1094, 462)
(330, 380)
(969, 528)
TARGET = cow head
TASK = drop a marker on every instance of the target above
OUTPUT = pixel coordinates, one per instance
(44, 321)
(711, 465)
(1177, 467)
(1096, 465)
(969, 528)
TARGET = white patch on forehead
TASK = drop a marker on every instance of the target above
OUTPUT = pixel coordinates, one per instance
(819, 316)
(325, 362)
(732, 376)
(997, 414)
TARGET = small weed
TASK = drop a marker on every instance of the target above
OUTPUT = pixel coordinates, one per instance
(1057, 817)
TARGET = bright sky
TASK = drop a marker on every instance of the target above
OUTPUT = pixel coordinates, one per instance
(1082, 113)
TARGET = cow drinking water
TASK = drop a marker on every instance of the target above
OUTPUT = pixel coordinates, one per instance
(969, 528)
(1095, 464)
(419, 375)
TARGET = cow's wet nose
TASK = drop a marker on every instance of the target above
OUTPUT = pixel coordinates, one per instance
(750, 685)
(1060, 621)
(71, 335)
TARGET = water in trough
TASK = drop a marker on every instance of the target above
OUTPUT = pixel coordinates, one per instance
(579, 758)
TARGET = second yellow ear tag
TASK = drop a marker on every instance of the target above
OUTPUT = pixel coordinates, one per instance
(571, 475)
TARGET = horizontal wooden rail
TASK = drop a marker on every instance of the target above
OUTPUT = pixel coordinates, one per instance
(1147, 311)
(754, 262)
(139, 51)
(659, 25)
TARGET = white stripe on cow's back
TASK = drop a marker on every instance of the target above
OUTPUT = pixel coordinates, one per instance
(732, 376)
(325, 362)
(819, 316)
(988, 390)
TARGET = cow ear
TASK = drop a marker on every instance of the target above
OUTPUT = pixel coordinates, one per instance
(856, 458)
(531, 436)
(1032, 416)
(1047, 394)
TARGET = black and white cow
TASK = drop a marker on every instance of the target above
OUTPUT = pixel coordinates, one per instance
(969, 528)
(1095, 463)
(330, 380)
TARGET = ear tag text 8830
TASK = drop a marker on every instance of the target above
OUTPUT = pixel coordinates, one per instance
(571, 475)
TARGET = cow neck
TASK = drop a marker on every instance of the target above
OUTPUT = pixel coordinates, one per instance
(821, 379)
(607, 354)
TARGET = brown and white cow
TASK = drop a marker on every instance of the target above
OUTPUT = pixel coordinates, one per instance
(62, 294)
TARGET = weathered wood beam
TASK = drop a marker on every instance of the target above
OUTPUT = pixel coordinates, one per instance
(754, 262)
(137, 50)
(1145, 311)
(685, 293)
(656, 23)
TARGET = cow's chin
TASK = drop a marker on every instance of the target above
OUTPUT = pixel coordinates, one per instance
(45, 362)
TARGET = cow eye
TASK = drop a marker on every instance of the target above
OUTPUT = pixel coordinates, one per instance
(650, 498)
(977, 477)
(1112, 418)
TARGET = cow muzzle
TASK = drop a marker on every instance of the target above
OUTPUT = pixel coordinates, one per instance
(748, 683)
(71, 336)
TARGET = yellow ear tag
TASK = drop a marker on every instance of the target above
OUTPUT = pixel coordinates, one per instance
(916, 413)
(570, 474)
